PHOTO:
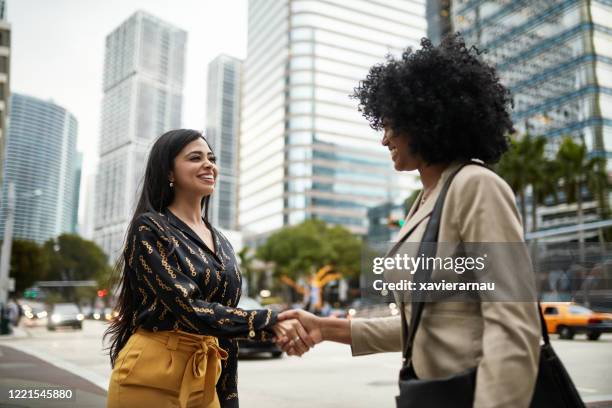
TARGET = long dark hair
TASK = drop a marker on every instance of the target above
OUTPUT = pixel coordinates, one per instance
(155, 196)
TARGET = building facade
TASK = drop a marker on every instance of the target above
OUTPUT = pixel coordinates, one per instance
(143, 81)
(222, 126)
(45, 178)
(556, 59)
(5, 67)
(305, 150)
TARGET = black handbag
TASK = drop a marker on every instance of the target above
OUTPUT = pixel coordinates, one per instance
(554, 387)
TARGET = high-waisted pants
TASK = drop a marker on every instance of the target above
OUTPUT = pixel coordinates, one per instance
(166, 369)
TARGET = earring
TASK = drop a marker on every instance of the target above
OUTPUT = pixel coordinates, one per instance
(171, 184)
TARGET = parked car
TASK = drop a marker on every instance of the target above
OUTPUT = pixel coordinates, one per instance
(569, 318)
(65, 315)
(250, 347)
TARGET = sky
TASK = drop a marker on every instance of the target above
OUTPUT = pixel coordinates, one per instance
(57, 53)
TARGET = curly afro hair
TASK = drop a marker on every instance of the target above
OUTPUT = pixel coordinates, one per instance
(449, 102)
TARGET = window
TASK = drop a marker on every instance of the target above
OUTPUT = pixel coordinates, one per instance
(551, 311)
(579, 310)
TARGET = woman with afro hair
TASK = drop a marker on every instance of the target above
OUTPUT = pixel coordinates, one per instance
(444, 112)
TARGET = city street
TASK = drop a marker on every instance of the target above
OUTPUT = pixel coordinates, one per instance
(326, 377)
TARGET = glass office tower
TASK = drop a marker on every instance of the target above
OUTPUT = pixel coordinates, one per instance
(5, 74)
(143, 84)
(556, 58)
(41, 160)
(222, 124)
(305, 150)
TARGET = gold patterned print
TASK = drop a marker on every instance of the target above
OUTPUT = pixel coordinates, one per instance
(182, 289)
(191, 268)
(268, 316)
(164, 260)
(161, 284)
(156, 224)
(224, 289)
(251, 328)
(144, 264)
(207, 276)
(144, 296)
(148, 246)
(133, 249)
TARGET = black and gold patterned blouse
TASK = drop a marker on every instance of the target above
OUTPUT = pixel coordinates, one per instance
(182, 284)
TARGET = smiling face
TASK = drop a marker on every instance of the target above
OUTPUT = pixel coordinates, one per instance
(403, 158)
(195, 171)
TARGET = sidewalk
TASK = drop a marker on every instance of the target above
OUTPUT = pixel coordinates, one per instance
(19, 370)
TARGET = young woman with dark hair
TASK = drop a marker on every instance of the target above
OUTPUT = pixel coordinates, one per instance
(174, 340)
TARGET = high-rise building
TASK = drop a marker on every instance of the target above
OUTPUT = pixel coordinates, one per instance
(222, 124)
(305, 150)
(556, 59)
(143, 82)
(40, 160)
(5, 65)
(78, 170)
(438, 19)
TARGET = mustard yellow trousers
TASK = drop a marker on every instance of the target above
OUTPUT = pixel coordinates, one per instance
(166, 369)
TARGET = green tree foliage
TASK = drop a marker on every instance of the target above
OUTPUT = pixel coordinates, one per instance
(74, 258)
(29, 263)
(302, 249)
(572, 169)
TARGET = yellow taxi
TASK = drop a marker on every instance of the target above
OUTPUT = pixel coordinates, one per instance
(569, 318)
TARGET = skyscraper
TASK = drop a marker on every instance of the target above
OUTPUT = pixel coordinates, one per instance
(222, 124)
(40, 160)
(305, 150)
(78, 169)
(5, 65)
(438, 19)
(143, 83)
(556, 59)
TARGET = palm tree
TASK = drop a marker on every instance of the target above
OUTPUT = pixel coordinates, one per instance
(578, 171)
(526, 165)
(511, 168)
(542, 174)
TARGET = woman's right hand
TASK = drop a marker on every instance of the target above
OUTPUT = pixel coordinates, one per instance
(290, 334)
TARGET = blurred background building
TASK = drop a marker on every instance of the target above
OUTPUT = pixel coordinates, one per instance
(438, 19)
(42, 162)
(5, 68)
(143, 82)
(222, 124)
(556, 59)
(305, 150)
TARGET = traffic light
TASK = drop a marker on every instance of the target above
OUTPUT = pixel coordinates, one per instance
(395, 223)
(102, 292)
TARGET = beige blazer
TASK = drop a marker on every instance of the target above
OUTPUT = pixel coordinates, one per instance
(501, 338)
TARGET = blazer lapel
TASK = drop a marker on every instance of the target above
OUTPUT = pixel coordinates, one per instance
(416, 216)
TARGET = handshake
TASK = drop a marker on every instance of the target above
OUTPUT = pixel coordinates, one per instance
(297, 331)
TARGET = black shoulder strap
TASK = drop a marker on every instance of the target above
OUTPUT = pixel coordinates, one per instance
(430, 236)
